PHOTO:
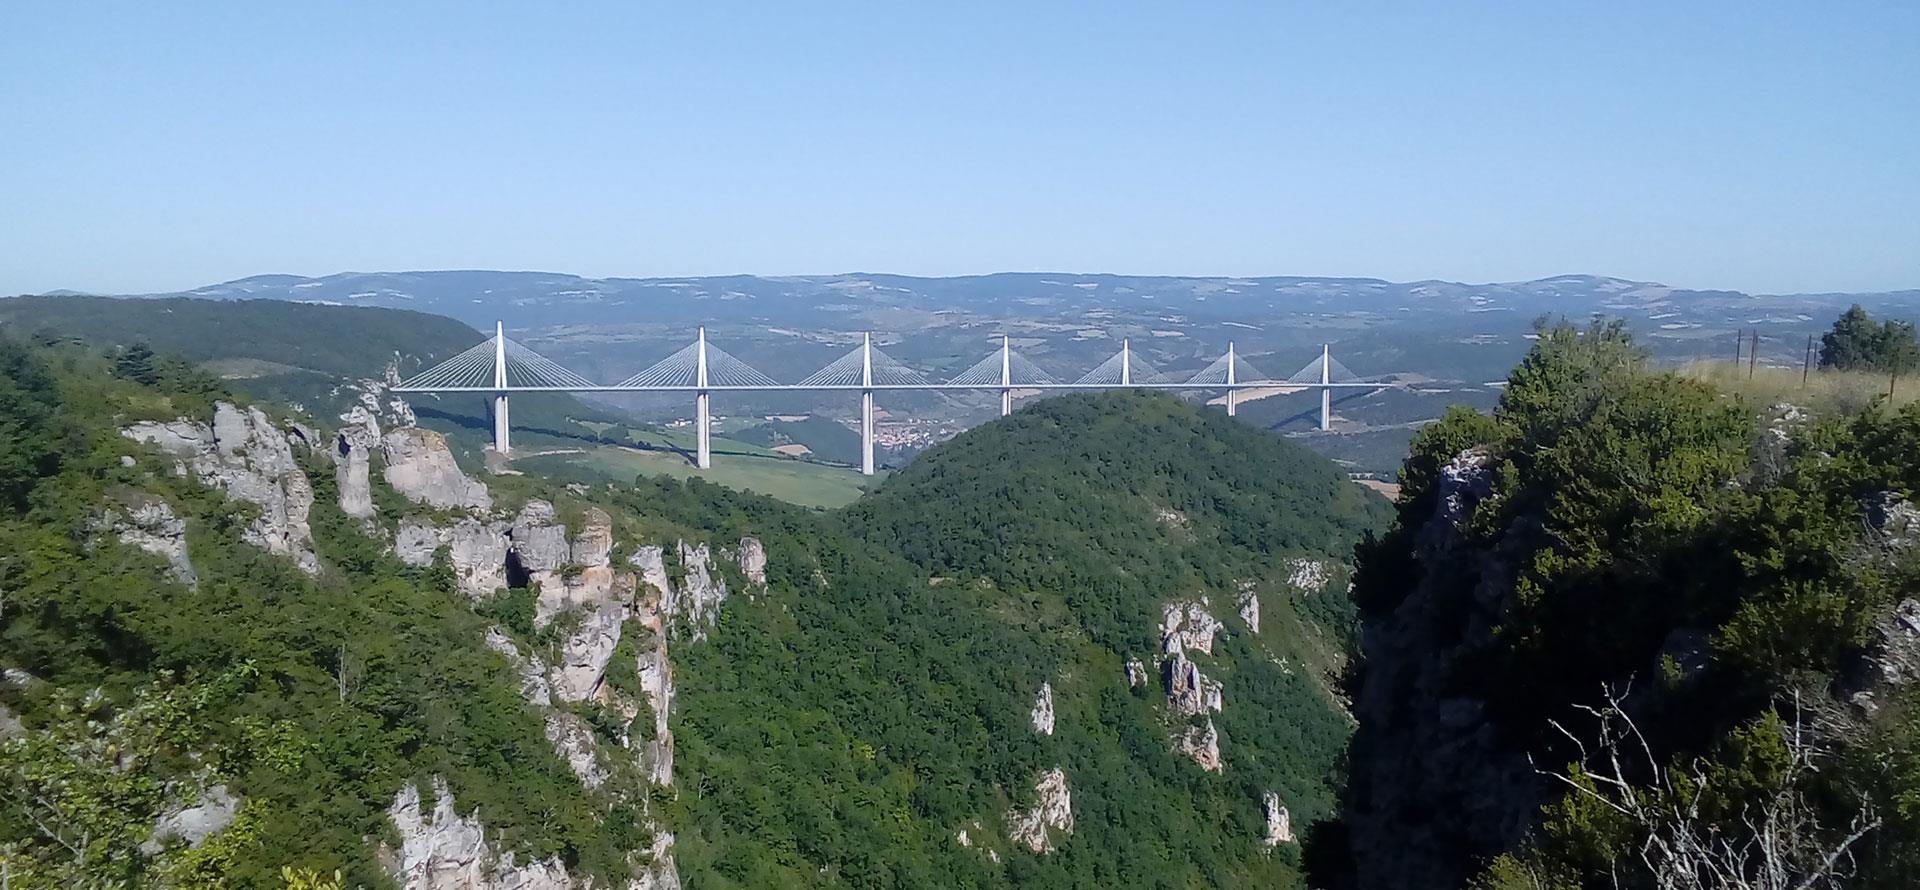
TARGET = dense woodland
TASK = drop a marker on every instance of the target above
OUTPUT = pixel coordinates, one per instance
(1695, 640)
(838, 729)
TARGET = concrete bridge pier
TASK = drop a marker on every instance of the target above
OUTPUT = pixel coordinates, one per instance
(1326, 392)
(1006, 376)
(500, 425)
(702, 410)
(866, 405)
(1233, 402)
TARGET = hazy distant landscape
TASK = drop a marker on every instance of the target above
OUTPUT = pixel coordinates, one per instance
(1444, 342)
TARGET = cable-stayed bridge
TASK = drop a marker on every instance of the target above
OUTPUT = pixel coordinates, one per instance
(500, 366)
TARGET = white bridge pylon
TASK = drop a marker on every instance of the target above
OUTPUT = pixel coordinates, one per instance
(499, 366)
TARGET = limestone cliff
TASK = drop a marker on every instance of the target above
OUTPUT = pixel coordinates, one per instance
(1051, 813)
(442, 850)
(419, 465)
(150, 524)
(244, 455)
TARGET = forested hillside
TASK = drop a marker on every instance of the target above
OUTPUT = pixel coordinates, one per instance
(1631, 632)
(315, 356)
(245, 646)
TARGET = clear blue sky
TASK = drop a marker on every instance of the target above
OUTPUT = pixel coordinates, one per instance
(1759, 146)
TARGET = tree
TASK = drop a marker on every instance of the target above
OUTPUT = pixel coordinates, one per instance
(135, 363)
(1858, 343)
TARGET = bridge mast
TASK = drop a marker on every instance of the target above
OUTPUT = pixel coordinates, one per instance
(1006, 377)
(1126, 363)
(500, 387)
(1230, 381)
(866, 405)
(703, 426)
(1326, 392)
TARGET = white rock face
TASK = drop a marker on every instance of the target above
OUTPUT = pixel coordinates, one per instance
(753, 561)
(479, 554)
(539, 541)
(1188, 625)
(1191, 693)
(575, 578)
(1308, 574)
(587, 650)
(420, 467)
(1053, 812)
(1043, 710)
(153, 527)
(1136, 673)
(696, 604)
(445, 851)
(353, 458)
(652, 563)
(1279, 821)
(660, 872)
(194, 824)
(573, 740)
(243, 455)
(1202, 743)
(1249, 606)
(415, 541)
(533, 674)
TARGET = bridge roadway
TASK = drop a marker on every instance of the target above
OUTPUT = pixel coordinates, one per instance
(515, 369)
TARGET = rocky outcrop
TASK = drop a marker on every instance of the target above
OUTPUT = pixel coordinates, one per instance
(1279, 821)
(659, 873)
(1052, 812)
(752, 558)
(1187, 625)
(1891, 658)
(533, 674)
(695, 604)
(1202, 743)
(415, 541)
(573, 740)
(192, 825)
(1043, 710)
(1249, 606)
(1895, 519)
(442, 850)
(152, 526)
(353, 448)
(1136, 673)
(651, 561)
(1308, 574)
(419, 466)
(574, 577)
(1191, 693)
(477, 551)
(1421, 748)
(243, 455)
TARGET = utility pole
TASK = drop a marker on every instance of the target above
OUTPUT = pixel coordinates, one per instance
(1753, 354)
(1739, 341)
(1806, 366)
(500, 387)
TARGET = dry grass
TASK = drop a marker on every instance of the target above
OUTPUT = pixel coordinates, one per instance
(1823, 391)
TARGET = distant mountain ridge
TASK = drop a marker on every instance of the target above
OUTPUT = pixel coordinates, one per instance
(479, 296)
